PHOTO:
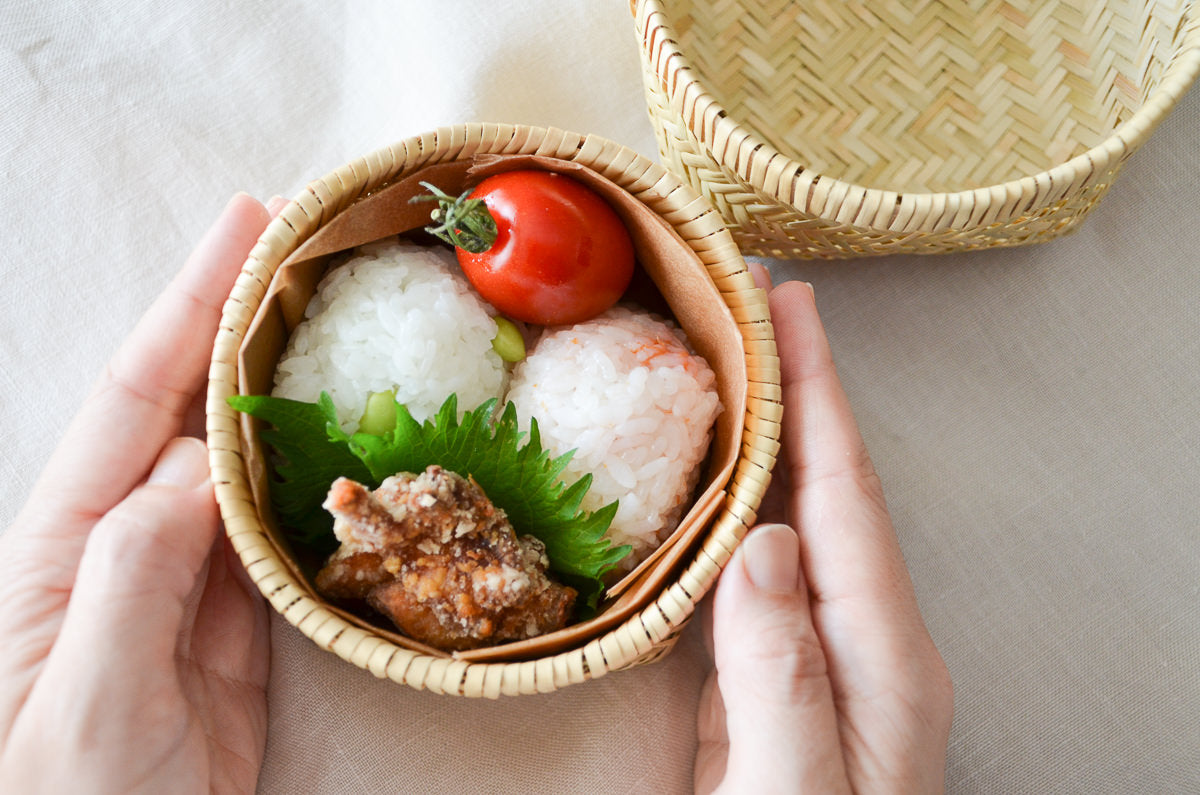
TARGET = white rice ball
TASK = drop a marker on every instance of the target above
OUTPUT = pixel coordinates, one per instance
(394, 316)
(636, 405)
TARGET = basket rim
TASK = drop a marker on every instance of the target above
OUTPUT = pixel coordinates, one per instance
(747, 155)
(652, 629)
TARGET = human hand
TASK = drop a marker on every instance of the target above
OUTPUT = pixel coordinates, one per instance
(826, 678)
(135, 649)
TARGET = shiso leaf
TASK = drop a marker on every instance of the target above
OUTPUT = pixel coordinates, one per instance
(308, 462)
(512, 468)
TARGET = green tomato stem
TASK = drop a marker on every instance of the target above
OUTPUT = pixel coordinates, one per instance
(462, 222)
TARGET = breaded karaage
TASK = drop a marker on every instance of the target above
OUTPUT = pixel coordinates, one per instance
(435, 556)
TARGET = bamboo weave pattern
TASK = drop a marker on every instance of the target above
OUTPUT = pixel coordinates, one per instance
(649, 633)
(847, 129)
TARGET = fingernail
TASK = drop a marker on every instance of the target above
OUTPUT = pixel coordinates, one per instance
(182, 463)
(761, 275)
(237, 198)
(771, 557)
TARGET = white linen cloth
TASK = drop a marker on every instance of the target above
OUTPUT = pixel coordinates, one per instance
(1034, 413)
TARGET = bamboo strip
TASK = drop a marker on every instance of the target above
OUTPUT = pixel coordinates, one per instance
(854, 129)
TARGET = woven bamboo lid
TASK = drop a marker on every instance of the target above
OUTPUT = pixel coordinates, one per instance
(647, 617)
(849, 129)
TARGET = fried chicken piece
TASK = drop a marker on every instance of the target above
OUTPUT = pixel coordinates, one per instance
(435, 556)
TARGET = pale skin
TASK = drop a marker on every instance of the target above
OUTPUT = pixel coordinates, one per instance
(135, 654)
(135, 650)
(826, 679)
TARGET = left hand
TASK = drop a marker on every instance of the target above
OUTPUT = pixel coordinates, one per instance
(135, 648)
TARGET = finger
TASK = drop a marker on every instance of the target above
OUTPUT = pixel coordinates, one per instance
(196, 417)
(275, 205)
(850, 548)
(778, 700)
(712, 746)
(762, 276)
(890, 685)
(139, 569)
(226, 625)
(141, 398)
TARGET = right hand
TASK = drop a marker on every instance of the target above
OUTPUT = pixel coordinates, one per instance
(826, 678)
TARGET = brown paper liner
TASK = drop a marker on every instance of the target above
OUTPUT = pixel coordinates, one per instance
(673, 267)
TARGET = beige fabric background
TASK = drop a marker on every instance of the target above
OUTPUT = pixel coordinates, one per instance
(1034, 413)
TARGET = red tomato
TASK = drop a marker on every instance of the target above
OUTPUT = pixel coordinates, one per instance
(561, 255)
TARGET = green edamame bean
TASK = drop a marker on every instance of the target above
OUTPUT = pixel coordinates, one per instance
(379, 417)
(508, 342)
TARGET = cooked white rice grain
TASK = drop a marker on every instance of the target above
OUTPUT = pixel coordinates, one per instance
(393, 316)
(637, 406)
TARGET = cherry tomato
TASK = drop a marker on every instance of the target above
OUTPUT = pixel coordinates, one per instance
(561, 254)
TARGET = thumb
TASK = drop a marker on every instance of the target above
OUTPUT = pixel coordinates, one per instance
(772, 673)
(139, 567)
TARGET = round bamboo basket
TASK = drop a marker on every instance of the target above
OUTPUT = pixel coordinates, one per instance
(653, 627)
(851, 129)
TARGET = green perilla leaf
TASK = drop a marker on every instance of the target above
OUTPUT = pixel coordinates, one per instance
(512, 468)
